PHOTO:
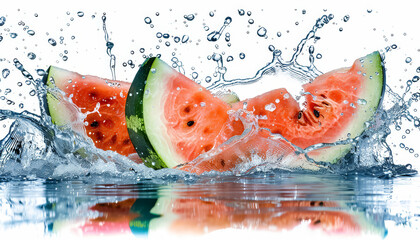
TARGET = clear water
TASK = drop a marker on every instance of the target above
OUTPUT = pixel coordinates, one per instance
(46, 186)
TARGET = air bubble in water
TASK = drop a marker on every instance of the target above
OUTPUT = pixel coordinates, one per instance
(241, 12)
(2, 20)
(262, 32)
(52, 42)
(408, 60)
(80, 13)
(241, 55)
(189, 17)
(31, 55)
(5, 73)
(147, 20)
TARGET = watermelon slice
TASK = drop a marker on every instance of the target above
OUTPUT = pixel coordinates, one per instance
(172, 120)
(91, 106)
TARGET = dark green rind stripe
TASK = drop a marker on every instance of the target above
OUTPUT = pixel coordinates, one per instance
(134, 117)
(46, 82)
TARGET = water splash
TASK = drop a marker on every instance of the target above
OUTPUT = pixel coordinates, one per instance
(109, 46)
(215, 35)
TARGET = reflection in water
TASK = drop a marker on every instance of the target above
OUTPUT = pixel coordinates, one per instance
(269, 205)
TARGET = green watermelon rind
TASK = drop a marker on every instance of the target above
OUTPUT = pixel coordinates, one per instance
(55, 106)
(373, 89)
(141, 111)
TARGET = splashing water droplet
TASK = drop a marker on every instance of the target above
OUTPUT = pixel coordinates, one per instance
(346, 18)
(208, 79)
(408, 60)
(31, 55)
(189, 17)
(194, 75)
(177, 39)
(211, 14)
(185, 38)
(2, 21)
(415, 79)
(241, 55)
(147, 20)
(278, 34)
(13, 35)
(31, 32)
(241, 12)
(80, 13)
(5, 73)
(229, 59)
(41, 72)
(52, 42)
(262, 32)
(251, 21)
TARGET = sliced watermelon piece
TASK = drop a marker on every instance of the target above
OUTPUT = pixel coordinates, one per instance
(175, 119)
(172, 119)
(91, 106)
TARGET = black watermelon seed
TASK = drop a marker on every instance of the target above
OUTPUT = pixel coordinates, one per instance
(316, 113)
(190, 123)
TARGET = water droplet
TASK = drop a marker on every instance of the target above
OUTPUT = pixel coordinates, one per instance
(270, 107)
(278, 34)
(241, 55)
(407, 131)
(271, 48)
(415, 79)
(65, 58)
(229, 58)
(346, 18)
(32, 93)
(31, 55)
(208, 79)
(408, 60)
(211, 14)
(194, 75)
(165, 35)
(40, 72)
(361, 102)
(147, 20)
(176, 39)
(319, 56)
(369, 10)
(402, 145)
(5, 73)
(311, 49)
(241, 12)
(20, 105)
(189, 17)
(52, 42)
(142, 50)
(2, 20)
(418, 70)
(80, 13)
(249, 13)
(1, 38)
(185, 38)
(303, 11)
(340, 29)
(13, 35)
(251, 21)
(262, 32)
(31, 32)
(394, 46)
